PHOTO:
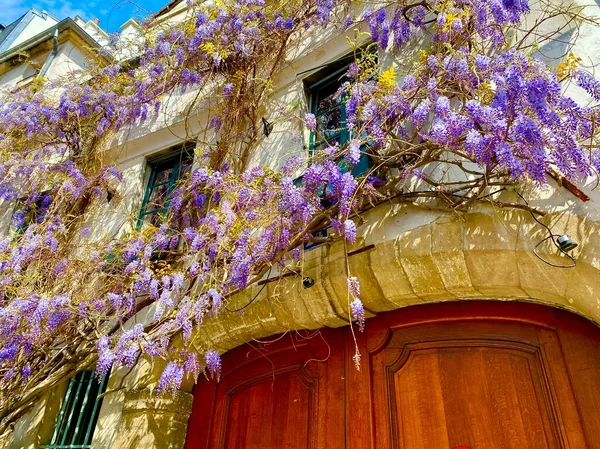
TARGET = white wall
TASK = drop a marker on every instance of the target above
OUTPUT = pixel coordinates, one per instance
(39, 23)
(91, 28)
(16, 76)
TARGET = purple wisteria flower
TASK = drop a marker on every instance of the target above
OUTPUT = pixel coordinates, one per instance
(350, 231)
(421, 113)
(354, 286)
(354, 152)
(358, 313)
(356, 306)
(105, 357)
(228, 89)
(310, 121)
(213, 363)
(588, 82)
(18, 219)
(171, 378)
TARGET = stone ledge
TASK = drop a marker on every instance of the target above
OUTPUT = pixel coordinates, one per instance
(484, 254)
(140, 401)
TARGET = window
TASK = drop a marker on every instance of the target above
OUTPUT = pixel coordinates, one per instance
(78, 413)
(330, 111)
(330, 114)
(165, 172)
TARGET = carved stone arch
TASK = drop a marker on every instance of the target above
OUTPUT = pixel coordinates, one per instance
(431, 258)
(405, 257)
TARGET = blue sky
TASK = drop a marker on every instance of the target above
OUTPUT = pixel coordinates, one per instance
(112, 13)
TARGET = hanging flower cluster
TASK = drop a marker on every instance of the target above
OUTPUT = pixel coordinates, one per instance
(472, 103)
(512, 118)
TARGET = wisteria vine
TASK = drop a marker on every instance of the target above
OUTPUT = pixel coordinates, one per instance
(473, 113)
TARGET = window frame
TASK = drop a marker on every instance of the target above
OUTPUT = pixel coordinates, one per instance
(173, 158)
(322, 79)
(345, 135)
(314, 88)
(84, 413)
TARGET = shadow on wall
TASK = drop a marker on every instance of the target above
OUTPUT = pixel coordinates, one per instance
(556, 50)
(151, 421)
(36, 427)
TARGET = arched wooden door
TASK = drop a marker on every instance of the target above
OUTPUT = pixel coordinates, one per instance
(483, 375)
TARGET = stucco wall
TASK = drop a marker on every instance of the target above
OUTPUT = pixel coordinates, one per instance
(70, 60)
(11, 78)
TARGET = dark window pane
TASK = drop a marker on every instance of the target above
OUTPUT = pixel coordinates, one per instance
(158, 196)
(163, 175)
(186, 166)
(326, 96)
(329, 123)
(326, 103)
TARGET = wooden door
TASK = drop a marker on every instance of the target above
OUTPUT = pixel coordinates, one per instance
(286, 394)
(478, 375)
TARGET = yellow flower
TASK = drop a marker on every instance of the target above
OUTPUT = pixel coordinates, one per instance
(208, 48)
(567, 66)
(387, 80)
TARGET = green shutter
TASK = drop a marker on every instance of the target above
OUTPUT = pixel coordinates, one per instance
(78, 414)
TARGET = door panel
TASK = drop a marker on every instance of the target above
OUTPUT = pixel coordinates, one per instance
(287, 394)
(482, 375)
(270, 411)
(475, 393)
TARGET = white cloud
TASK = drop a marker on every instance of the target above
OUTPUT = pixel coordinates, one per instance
(11, 10)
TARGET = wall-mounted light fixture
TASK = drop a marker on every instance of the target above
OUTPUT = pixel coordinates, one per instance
(563, 243)
(308, 282)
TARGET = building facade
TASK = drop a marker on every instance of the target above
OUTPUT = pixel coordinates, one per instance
(471, 340)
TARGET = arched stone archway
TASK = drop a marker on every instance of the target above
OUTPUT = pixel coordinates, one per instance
(406, 257)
